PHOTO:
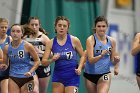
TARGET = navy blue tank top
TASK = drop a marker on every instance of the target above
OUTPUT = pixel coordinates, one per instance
(68, 55)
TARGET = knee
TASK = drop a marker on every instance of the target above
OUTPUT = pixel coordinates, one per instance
(36, 90)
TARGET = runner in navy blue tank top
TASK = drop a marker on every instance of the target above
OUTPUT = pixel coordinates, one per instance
(101, 50)
(66, 48)
(136, 52)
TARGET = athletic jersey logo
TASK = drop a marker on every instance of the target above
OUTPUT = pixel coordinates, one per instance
(19, 55)
(65, 55)
(66, 48)
(100, 47)
(6, 43)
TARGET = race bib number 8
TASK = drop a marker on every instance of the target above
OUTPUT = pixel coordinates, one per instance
(30, 87)
(21, 54)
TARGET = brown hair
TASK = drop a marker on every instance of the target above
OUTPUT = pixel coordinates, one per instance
(40, 29)
(101, 18)
(18, 25)
(27, 30)
(61, 18)
(3, 20)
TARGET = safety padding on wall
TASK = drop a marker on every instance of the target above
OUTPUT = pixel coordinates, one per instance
(123, 3)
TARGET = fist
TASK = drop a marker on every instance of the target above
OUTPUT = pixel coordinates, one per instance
(3, 67)
(116, 71)
(116, 59)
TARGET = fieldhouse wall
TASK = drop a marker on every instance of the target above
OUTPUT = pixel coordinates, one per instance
(12, 10)
(121, 26)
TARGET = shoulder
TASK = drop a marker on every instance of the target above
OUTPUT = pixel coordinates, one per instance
(50, 43)
(136, 38)
(137, 35)
(10, 38)
(6, 48)
(27, 45)
(113, 41)
(91, 37)
(44, 36)
(45, 39)
(74, 39)
(111, 38)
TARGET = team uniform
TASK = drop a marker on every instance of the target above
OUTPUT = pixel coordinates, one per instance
(64, 70)
(19, 64)
(41, 71)
(137, 59)
(94, 71)
(4, 74)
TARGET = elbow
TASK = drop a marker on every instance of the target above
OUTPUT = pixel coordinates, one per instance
(133, 53)
(1, 61)
(90, 60)
(44, 63)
